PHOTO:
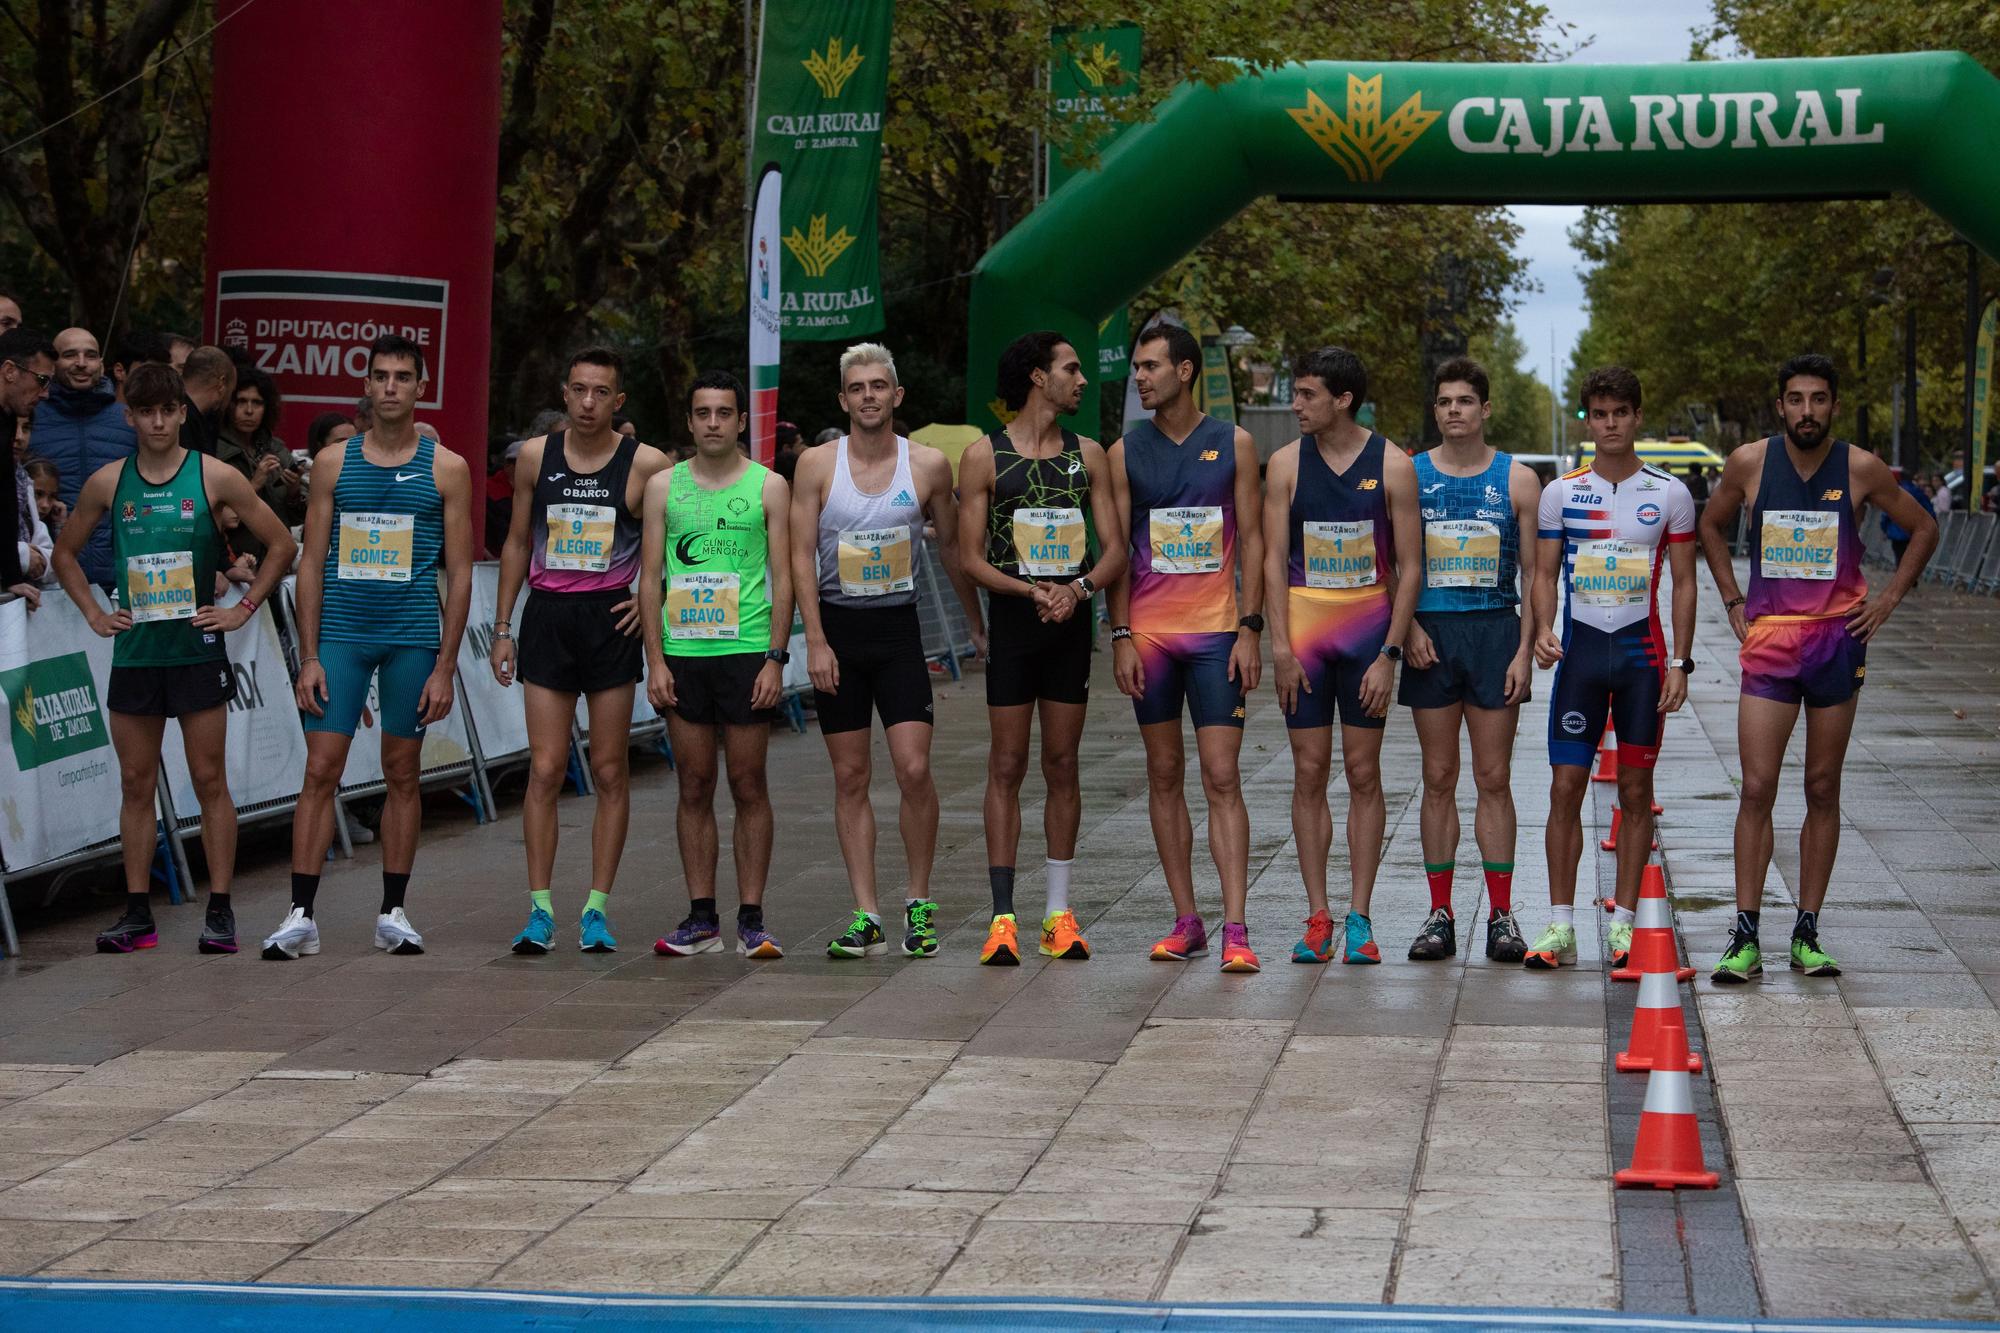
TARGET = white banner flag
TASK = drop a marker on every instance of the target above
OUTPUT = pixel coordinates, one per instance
(59, 788)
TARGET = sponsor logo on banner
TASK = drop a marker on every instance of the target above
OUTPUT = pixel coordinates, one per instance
(834, 68)
(1364, 144)
(310, 330)
(53, 711)
(814, 249)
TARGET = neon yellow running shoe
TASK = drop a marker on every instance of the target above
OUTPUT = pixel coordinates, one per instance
(1809, 958)
(1741, 961)
(1555, 947)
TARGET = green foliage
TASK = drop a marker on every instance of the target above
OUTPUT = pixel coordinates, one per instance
(1520, 420)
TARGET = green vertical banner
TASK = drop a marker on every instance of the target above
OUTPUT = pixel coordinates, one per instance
(822, 82)
(1090, 71)
(1982, 399)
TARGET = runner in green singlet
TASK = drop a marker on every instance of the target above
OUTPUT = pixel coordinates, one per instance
(169, 659)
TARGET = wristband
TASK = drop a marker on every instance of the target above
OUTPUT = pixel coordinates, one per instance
(1120, 632)
(249, 604)
(304, 660)
(503, 634)
(1733, 603)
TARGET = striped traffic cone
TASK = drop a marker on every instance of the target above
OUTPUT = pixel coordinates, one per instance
(1659, 1007)
(1668, 1153)
(1653, 948)
(1610, 843)
(1607, 762)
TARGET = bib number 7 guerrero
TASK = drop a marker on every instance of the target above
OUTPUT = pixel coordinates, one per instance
(1462, 553)
(875, 561)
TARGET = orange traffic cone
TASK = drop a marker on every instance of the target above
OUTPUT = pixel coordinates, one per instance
(1607, 764)
(1652, 934)
(1668, 1153)
(1610, 843)
(1659, 1006)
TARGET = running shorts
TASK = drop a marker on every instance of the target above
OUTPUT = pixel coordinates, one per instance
(1336, 640)
(715, 691)
(1191, 669)
(569, 642)
(399, 672)
(1616, 675)
(1028, 660)
(170, 691)
(1473, 649)
(1815, 661)
(882, 668)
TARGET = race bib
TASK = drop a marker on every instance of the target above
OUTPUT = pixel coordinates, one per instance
(580, 538)
(1462, 553)
(1340, 555)
(874, 561)
(160, 586)
(1611, 573)
(376, 547)
(1187, 541)
(1800, 544)
(703, 606)
(1049, 541)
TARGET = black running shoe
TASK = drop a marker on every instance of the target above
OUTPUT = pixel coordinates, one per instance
(1503, 938)
(218, 932)
(1438, 939)
(134, 930)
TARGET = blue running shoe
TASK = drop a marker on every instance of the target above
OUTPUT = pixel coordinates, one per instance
(539, 935)
(692, 936)
(757, 943)
(594, 933)
(1360, 944)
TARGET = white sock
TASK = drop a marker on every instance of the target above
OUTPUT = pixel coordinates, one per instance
(1058, 886)
(876, 917)
(1624, 916)
(1564, 915)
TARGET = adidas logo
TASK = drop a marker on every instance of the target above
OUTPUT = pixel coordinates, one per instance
(903, 498)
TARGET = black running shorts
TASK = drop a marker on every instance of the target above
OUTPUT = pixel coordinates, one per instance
(882, 668)
(1028, 660)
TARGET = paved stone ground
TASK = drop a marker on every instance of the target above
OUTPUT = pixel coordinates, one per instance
(1410, 1133)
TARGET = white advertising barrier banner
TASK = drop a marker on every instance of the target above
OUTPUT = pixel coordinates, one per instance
(59, 788)
(500, 713)
(266, 748)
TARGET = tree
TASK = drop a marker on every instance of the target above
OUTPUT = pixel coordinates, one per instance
(1520, 420)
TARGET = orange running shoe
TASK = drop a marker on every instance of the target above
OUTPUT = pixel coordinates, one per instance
(1188, 939)
(1317, 946)
(1062, 939)
(1236, 954)
(1002, 947)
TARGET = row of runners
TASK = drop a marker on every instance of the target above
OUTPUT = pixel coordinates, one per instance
(1363, 557)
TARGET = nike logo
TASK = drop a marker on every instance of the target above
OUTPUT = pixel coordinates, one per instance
(408, 476)
(1432, 490)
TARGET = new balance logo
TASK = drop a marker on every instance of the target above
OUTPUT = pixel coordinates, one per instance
(903, 498)
(1210, 455)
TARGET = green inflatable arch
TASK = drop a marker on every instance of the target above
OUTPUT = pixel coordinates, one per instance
(1924, 124)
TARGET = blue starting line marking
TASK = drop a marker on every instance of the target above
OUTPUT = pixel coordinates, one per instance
(57, 1305)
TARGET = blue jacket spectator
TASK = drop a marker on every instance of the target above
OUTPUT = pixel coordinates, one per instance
(80, 431)
(1898, 539)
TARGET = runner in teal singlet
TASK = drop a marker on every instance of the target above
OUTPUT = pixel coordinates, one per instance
(169, 659)
(387, 508)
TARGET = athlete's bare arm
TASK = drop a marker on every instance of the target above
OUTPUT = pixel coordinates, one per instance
(1524, 488)
(975, 496)
(809, 482)
(647, 463)
(1246, 658)
(770, 683)
(454, 483)
(1736, 488)
(225, 484)
(514, 557)
(309, 687)
(652, 564)
(1106, 516)
(92, 502)
(1281, 479)
(933, 474)
(1680, 562)
(1126, 668)
(1873, 483)
(1406, 581)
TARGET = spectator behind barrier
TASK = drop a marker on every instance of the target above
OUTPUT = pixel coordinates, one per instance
(134, 349)
(209, 380)
(46, 478)
(80, 427)
(246, 442)
(27, 368)
(10, 313)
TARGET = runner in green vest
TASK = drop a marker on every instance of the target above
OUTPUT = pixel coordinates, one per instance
(169, 659)
(718, 612)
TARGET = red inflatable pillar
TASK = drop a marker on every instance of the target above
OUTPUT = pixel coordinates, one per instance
(353, 156)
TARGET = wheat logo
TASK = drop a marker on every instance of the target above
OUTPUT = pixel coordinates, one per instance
(832, 70)
(1001, 412)
(1099, 67)
(24, 710)
(1363, 143)
(815, 250)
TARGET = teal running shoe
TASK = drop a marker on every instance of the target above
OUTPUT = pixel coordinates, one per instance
(1809, 958)
(920, 937)
(1360, 941)
(1555, 947)
(540, 934)
(864, 939)
(593, 933)
(1741, 961)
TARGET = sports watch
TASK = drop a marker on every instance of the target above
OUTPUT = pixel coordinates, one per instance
(1083, 585)
(1393, 651)
(1253, 623)
(782, 656)
(1681, 663)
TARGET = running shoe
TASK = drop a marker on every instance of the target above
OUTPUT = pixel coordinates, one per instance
(1317, 944)
(1555, 947)
(1438, 939)
(1360, 941)
(1236, 953)
(297, 934)
(920, 937)
(1003, 944)
(132, 931)
(593, 933)
(1503, 938)
(394, 934)
(697, 934)
(1741, 961)
(218, 929)
(539, 934)
(1062, 939)
(757, 943)
(1809, 958)
(1618, 942)
(1188, 939)
(864, 939)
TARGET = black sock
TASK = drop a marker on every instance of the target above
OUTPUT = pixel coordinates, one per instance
(394, 886)
(1807, 926)
(304, 889)
(750, 916)
(1746, 924)
(1002, 880)
(138, 905)
(703, 909)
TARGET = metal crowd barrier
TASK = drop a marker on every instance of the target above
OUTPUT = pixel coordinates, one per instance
(947, 637)
(1948, 530)
(1979, 529)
